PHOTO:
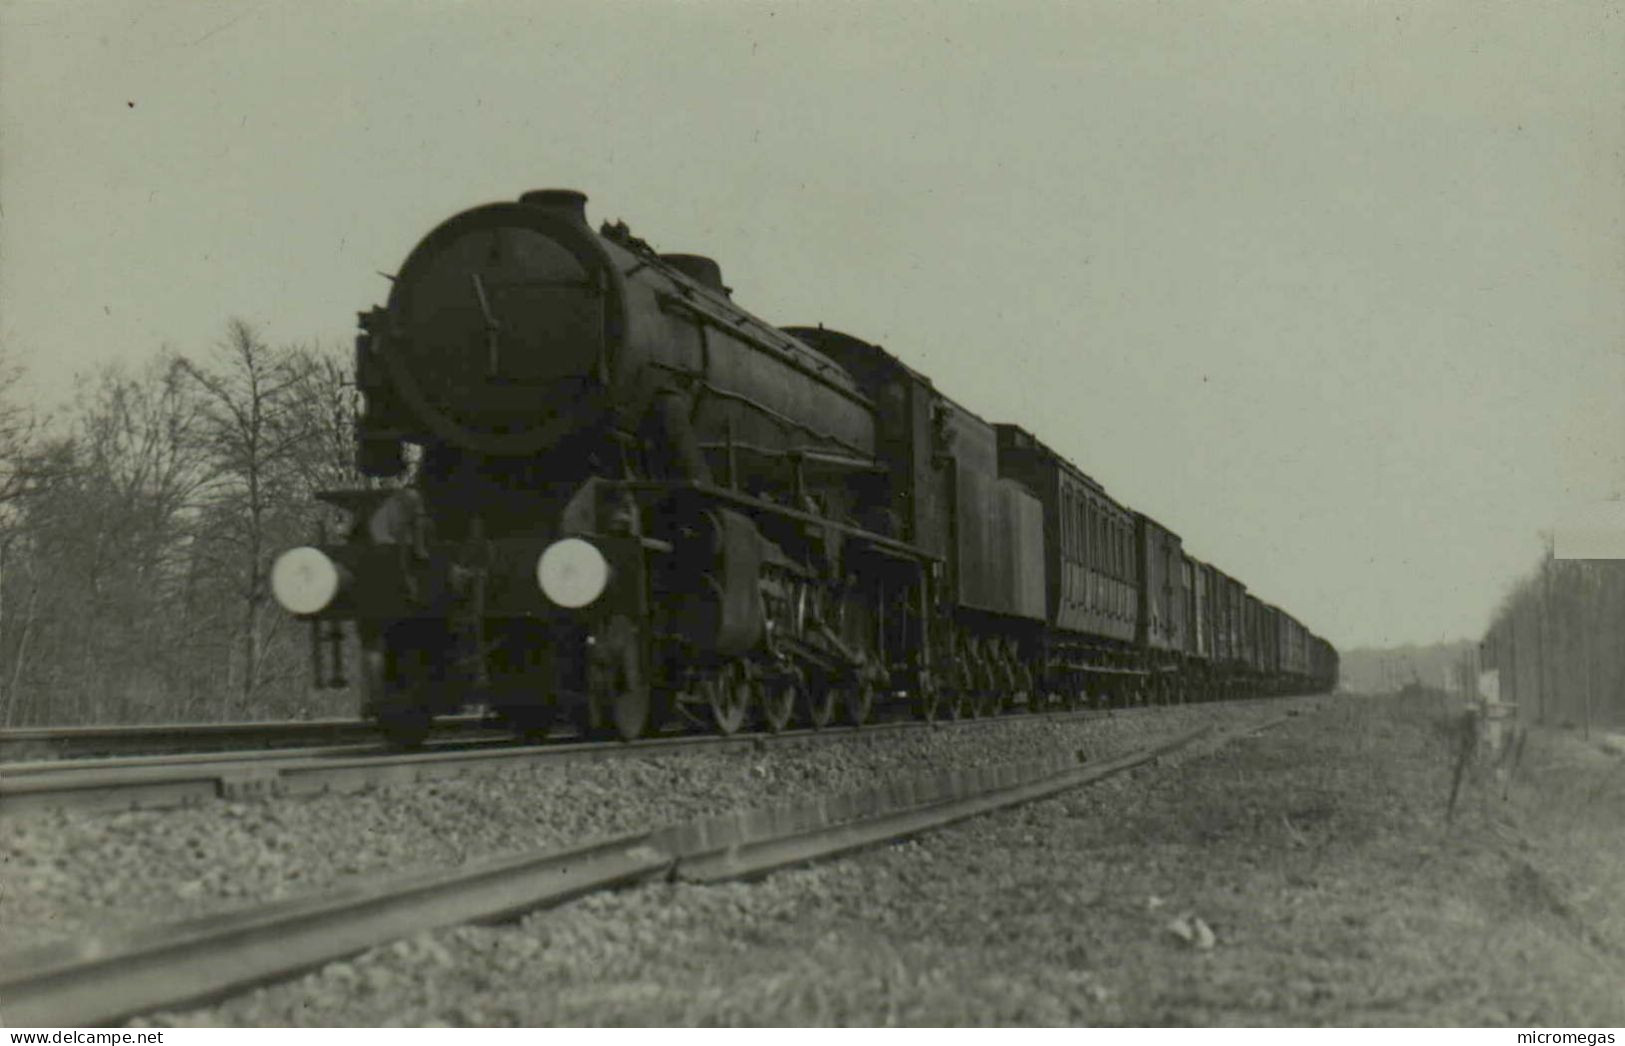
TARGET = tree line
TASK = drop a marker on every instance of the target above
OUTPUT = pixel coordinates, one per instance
(138, 525)
(1557, 644)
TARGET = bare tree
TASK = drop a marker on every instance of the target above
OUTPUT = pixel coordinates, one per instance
(136, 537)
(1555, 641)
(256, 429)
(27, 466)
(97, 551)
(19, 428)
(331, 405)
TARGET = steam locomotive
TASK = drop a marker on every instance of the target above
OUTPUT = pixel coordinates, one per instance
(632, 501)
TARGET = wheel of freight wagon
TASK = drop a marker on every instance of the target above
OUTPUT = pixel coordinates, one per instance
(928, 700)
(1006, 680)
(819, 702)
(859, 703)
(989, 696)
(961, 695)
(1038, 698)
(728, 692)
(779, 700)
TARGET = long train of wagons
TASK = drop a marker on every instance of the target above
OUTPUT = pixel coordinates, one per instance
(632, 500)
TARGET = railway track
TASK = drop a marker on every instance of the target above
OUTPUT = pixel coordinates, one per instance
(96, 982)
(84, 742)
(188, 779)
(155, 782)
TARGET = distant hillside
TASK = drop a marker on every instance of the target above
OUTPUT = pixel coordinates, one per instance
(1367, 670)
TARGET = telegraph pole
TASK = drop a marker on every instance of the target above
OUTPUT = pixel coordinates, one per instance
(1543, 625)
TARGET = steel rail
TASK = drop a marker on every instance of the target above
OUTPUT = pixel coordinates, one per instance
(96, 982)
(170, 781)
(73, 742)
(161, 782)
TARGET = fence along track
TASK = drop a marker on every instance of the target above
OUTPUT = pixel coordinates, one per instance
(97, 982)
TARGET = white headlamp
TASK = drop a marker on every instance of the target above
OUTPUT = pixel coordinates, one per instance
(572, 573)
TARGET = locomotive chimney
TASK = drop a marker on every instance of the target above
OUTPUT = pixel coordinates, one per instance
(566, 203)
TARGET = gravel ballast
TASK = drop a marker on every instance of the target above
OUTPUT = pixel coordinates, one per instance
(65, 876)
(1307, 875)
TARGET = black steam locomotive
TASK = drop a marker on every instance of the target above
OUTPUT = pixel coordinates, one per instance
(633, 500)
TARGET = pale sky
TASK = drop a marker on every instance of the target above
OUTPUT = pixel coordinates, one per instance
(1333, 289)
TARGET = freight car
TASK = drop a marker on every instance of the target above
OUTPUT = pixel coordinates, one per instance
(629, 499)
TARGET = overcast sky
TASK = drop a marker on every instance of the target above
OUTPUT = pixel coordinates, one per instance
(1335, 290)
